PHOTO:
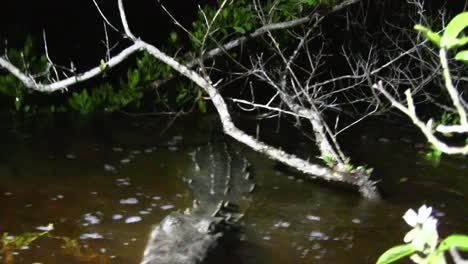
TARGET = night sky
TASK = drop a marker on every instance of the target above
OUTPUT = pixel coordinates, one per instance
(75, 30)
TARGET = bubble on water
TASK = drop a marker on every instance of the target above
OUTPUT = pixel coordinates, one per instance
(116, 149)
(406, 140)
(148, 150)
(173, 148)
(129, 201)
(144, 212)
(282, 224)
(70, 156)
(123, 182)
(133, 219)
(91, 236)
(91, 219)
(313, 218)
(167, 206)
(24, 247)
(45, 228)
(156, 198)
(125, 161)
(317, 235)
(266, 237)
(356, 221)
(109, 167)
(384, 140)
(117, 216)
(8, 193)
(136, 152)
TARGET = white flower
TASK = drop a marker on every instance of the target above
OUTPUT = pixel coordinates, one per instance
(424, 230)
(424, 212)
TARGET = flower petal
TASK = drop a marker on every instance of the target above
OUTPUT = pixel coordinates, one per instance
(424, 213)
(430, 225)
(410, 235)
(411, 218)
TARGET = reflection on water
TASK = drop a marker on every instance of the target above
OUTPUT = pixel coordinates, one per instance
(107, 182)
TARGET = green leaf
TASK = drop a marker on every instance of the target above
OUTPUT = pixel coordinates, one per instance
(458, 241)
(429, 34)
(202, 106)
(462, 56)
(173, 37)
(453, 29)
(395, 253)
(102, 65)
(436, 258)
(239, 29)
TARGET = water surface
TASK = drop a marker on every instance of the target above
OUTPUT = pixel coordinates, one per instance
(106, 182)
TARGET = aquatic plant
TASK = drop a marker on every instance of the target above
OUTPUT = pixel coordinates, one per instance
(10, 243)
(422, 241)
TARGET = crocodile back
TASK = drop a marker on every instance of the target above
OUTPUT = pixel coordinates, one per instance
(220, 173)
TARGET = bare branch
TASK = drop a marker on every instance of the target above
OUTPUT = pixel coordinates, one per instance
(426, 129)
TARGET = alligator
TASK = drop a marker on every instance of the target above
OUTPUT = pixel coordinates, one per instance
(220, 184)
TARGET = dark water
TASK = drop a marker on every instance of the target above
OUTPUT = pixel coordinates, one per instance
(105, 182)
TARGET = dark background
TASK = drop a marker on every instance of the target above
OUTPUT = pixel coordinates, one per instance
(74, 28)
(75, 31)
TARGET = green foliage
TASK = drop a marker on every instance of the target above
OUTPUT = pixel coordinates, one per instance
(237, 17)
(81, 102)
(329, 160)
(15, 242)
(462, 56)
(189, 94)
(433, 155)
(395, 253)
(320, 2)
(25, 61)
(429, 34)
(151, 69)
(129, 91)
(457, 241)
(423, 240)
(452, 37)
(456, 26)
(240, 17)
